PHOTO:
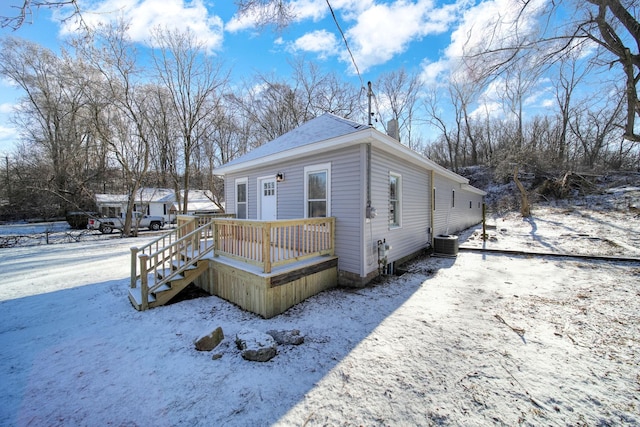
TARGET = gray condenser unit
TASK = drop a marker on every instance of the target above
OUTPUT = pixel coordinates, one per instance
(445, 245)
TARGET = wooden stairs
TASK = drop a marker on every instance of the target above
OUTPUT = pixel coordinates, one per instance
(179, 278)
(167, 265)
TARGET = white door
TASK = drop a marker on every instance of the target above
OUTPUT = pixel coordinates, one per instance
(268, 200)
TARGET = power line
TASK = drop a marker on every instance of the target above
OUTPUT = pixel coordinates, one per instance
(335, 19)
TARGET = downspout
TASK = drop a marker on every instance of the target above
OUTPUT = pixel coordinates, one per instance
(368, 172)
(370, 212)
(433, 209)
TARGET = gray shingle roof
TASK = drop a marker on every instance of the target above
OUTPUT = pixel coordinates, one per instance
(321, 128)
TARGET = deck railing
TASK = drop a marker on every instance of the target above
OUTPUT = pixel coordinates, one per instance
(165, 241)
(186, 225)
(266, 244)
(269, 244)
(160, 265)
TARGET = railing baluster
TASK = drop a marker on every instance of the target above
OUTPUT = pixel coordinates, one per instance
(144, 282)
(134, 266)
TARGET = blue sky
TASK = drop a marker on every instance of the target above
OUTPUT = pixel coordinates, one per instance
(424, 36)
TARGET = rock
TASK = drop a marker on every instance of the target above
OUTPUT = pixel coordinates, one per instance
(210, 341)
(292, 337)
(256, 346)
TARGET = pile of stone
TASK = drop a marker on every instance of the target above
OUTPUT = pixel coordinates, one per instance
(254, 345)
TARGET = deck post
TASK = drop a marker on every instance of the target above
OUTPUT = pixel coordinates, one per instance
(144, 282)
(266, 247)
(134, 265)
(484, 222)
(216, 241)
(332, 236)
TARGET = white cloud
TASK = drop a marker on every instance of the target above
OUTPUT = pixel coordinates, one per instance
(6, 108)
(487, 25)
(145, 15)
(8, 139)
(385, 30)
(7, 132)
(320, 42)
(432, 70)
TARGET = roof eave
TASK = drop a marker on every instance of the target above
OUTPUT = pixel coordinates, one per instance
(350, 139)
(367, 135)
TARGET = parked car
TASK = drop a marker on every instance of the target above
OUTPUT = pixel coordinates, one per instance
(106, 225)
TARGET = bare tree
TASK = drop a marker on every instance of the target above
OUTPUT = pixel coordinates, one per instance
(611, 26)
(323, 92)
(50, 117)
(569, 76)
(400, 90)
(452, 135)
(164, 135)
(193, 82)
(119, 105)
(595, 128)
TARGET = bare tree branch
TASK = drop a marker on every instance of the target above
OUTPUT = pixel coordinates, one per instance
(278, 13)
(24, 12)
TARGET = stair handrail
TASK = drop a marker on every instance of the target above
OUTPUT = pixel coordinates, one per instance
(137, 251)
(184, 246)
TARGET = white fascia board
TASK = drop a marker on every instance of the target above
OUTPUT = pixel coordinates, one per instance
(472, 189)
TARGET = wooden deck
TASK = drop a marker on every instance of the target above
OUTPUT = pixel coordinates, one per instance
(264, 267)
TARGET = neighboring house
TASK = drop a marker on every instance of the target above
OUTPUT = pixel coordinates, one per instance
(378, 190)
(157, 202)
(200, 201)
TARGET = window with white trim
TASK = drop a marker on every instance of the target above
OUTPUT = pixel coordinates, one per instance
(317, 191)
(395, 192)
(241, 198)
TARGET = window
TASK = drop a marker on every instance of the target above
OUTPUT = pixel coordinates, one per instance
(470, 204)
(269, 188)
(317, 191)
(395, 190)
(453, 198)
(241, 198)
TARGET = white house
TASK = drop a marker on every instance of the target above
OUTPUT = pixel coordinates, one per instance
(380, 192)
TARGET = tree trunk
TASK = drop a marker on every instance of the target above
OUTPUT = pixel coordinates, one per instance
(525, 209)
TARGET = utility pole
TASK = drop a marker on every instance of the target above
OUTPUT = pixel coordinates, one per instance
(369, 95)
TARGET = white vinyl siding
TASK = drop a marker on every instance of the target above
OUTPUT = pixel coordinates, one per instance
(346, 197)
(415, 201)
(356, 237)
(450, 213)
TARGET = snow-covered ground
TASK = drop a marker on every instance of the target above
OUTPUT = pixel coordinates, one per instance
(481, 339)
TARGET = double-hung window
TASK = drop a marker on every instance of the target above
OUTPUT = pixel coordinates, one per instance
(241, 198)
(317, 191)
(395, 206)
